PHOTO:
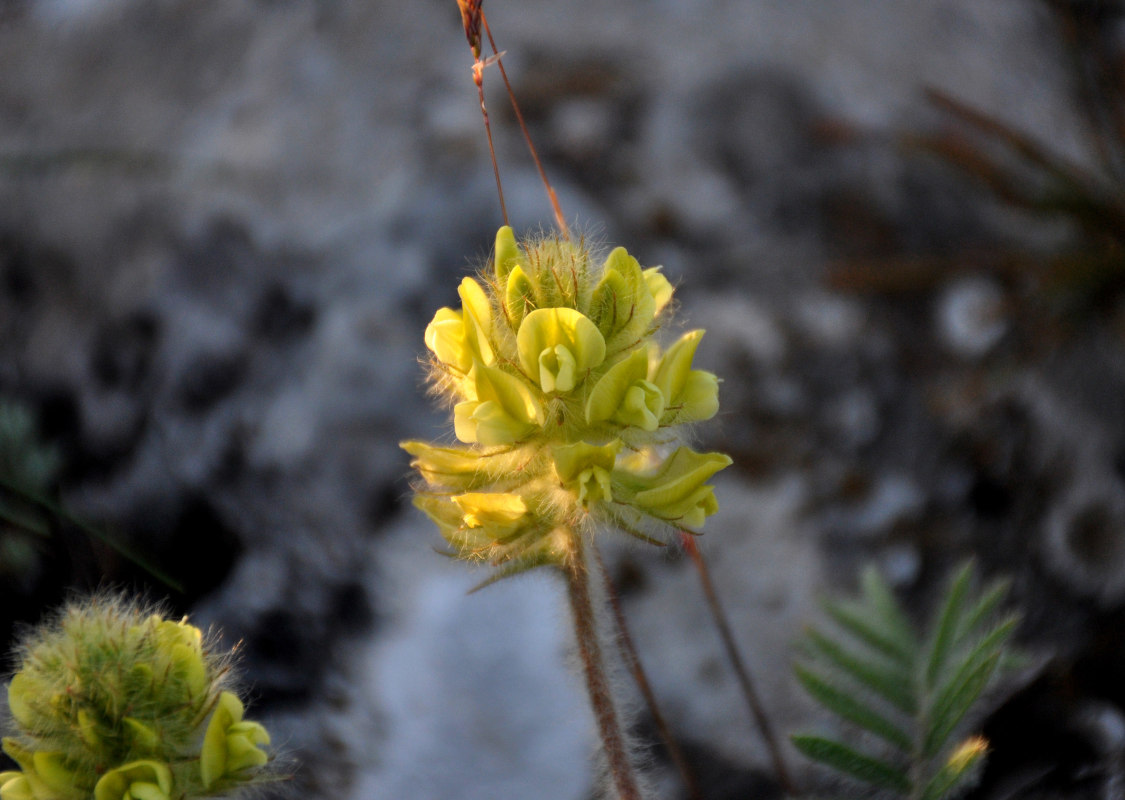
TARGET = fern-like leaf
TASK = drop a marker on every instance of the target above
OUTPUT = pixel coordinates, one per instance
(911, 689)
(887, 680)
(846, 705)
(852, 762)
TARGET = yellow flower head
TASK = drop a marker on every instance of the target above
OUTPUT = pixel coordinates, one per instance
(558, 389)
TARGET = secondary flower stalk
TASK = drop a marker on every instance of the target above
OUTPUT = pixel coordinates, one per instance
(113, 702)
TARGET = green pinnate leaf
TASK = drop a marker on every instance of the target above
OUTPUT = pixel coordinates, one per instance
(858, 621)
(956, 697)
(851, 762)
(945, 630)
(881, 602)
(847, 706)
(888, 680)
(877, 666)
(982, 610)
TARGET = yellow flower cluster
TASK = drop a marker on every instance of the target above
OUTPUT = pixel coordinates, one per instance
(117, 704)
(567, 410)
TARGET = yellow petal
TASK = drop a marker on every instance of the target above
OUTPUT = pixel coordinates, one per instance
(659, 287)
(697, 401)
(672, 372)
(677, 491)
(571, 459)
(557, 346)
(142, 790)
(20, 692)
(511, 392)
(117, 783)
(507, 254)
(642, 407)
(15, 786)
(609, 392)
(52, 769)
(242, 754)
(445, 337)
(213, 756)
(622, 304)
(481, 509)
(519, 296)
(478, 319)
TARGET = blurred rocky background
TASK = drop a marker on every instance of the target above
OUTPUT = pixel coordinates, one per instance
(224, 225)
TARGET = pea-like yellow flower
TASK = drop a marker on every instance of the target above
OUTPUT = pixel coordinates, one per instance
(559, 389)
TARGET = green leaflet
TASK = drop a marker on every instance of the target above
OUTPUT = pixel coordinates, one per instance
(909, 686)
(848, 706)
(852, 762)
(885, 679)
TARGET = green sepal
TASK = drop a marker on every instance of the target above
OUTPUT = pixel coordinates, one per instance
(143, 737)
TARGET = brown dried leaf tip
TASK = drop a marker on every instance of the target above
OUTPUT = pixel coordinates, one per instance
(470, 16)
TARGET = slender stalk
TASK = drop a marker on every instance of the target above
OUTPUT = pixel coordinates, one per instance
(597, 683)
(478, 79)
(560, 220)
(633, 662)
(757, 710)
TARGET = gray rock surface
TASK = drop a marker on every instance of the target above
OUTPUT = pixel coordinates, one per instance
(225, 223)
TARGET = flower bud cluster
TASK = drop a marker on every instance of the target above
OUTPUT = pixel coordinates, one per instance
(113, 702)
(566, 409)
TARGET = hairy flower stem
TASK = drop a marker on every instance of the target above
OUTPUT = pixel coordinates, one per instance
(633, 662)
(593, 666)
(757, 710)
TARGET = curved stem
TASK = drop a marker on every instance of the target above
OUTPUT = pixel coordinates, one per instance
(757, 710)
(593, 666)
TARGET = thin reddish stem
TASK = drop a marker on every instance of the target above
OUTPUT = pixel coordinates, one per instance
(560, 220)
(757, 710)
(478, 79)
(633, 662)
